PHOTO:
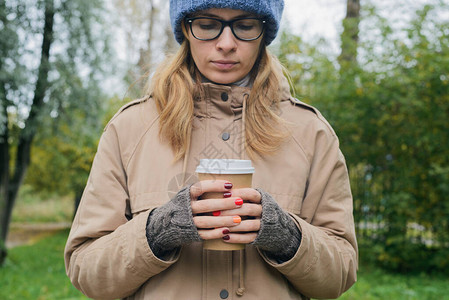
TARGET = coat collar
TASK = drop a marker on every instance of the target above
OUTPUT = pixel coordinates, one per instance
(228, 99)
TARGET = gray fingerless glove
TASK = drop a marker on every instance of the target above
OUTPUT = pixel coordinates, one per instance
(171, 225)
(278, 236)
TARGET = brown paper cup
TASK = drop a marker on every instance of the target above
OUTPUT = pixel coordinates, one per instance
(240, 173)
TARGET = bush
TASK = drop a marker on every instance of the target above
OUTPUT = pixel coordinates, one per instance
(390, 112)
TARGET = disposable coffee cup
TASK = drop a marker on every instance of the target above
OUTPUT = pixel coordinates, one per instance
(239, 172)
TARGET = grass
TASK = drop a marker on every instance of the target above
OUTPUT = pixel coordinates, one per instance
(374, 283)
(37, 272)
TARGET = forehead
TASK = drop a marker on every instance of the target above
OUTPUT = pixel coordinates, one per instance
(223, 13)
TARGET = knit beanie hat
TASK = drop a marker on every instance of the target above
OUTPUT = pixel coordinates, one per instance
(271, 10)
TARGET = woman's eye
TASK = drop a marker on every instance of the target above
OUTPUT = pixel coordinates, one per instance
(246, 25)
(208, 25)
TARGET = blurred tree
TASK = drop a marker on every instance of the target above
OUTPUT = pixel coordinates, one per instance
(63, 84)
(391, 118)
(141, 21)
(9, 48)
(60, 146)
(401, 110)
(66, 152)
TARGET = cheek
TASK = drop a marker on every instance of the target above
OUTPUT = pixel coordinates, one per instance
(198, 55)
(251, 58)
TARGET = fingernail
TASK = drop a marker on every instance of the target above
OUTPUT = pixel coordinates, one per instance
(226, 231)
(228, 185)
(216, 213)
(227, 194)
(238, 201)
(226, 237)
(237, 219)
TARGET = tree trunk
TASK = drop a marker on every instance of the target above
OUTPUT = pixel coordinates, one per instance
(29, 131)
(350, 36)
(145, 55)
(4, 150)
(4, 171)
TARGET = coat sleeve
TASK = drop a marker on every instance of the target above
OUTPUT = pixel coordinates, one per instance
(325, 264)
(107, 256)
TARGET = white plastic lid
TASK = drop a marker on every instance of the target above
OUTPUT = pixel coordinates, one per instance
(225, 166)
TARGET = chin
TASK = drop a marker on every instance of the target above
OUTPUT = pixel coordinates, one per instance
(220, 79)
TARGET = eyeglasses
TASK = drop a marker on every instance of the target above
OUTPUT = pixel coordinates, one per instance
(244, 29)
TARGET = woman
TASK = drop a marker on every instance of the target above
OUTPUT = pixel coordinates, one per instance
(223, 95)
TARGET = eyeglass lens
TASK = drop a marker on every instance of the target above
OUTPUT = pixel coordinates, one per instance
(208, 29)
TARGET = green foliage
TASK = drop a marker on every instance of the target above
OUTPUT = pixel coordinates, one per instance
(66, 153)
(390, 113)
(37, 272)
(11, 66)
(71, 120)
(25, 277)
(79, 49)
(77, 64)
(61, 162)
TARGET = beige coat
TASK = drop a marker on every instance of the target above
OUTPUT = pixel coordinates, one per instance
(107, 255)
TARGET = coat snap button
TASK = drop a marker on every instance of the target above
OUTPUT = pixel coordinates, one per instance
(224, 96)
(225, 136)
(224, 294)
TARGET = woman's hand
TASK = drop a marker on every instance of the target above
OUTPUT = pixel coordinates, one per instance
(230, 214)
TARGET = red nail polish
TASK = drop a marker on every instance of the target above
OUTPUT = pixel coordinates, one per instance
(228, 185)
(226, 231)
(226, 237)
(216, 213)
(227, 194)
(238, 201)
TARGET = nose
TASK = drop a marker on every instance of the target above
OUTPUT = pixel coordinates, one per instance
(226, 41)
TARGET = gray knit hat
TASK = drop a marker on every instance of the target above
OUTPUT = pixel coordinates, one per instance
(271, 10)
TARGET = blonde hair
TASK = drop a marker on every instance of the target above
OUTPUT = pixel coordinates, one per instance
(177, 80)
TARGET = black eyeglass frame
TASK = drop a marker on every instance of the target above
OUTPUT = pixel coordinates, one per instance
(224, 24)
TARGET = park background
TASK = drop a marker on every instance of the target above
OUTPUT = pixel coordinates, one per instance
(377, 70)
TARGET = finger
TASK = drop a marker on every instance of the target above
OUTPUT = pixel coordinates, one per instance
(247, 194)
(240, 238)
(211, 205)
(216, 233)
(246, 226)
(247, 209)
(206, 186)
(214, 222)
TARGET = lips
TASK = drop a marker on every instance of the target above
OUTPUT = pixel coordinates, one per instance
(224, 64)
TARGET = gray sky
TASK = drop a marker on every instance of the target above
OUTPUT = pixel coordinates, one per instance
(323, 18)
(318, 18)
